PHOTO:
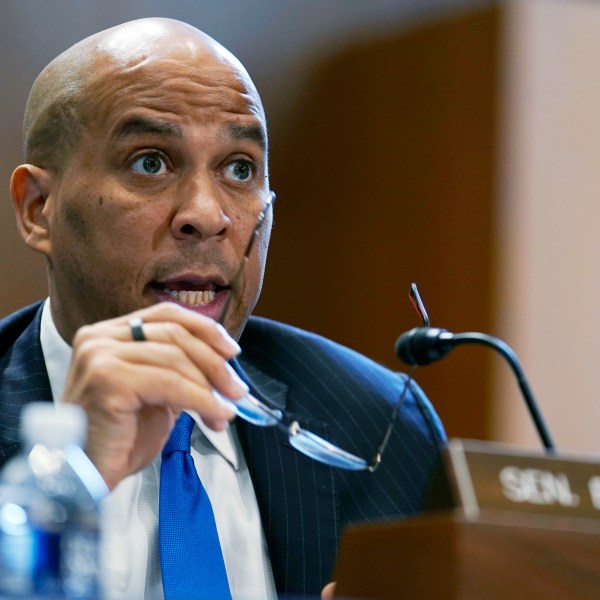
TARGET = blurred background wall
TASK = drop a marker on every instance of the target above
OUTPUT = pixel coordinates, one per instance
(449, 142)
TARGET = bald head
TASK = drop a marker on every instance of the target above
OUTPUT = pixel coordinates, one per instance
(69, 93)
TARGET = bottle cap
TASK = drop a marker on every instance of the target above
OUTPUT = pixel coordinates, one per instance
(53, 425)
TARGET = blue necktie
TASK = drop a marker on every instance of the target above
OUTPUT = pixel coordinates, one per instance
(190, 552)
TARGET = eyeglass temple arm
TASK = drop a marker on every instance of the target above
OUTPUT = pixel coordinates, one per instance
(386, 436)
(415, 298)
(236, 280)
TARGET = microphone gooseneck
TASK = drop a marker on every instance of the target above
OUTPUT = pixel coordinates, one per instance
(425, 345)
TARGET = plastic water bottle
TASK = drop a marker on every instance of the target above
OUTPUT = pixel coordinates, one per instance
(50, 497)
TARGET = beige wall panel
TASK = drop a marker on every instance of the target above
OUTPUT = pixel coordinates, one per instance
(549, 220)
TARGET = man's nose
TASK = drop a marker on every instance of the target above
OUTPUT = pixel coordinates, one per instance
(199, 215)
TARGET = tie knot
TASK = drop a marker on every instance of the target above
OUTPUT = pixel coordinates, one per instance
(180, 436)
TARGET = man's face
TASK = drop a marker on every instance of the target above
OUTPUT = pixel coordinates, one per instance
(161, 196)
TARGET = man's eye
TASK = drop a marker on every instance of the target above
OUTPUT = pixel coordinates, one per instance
(239, 170)
(149, 164)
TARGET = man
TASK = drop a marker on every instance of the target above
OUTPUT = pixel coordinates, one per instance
(146, 171)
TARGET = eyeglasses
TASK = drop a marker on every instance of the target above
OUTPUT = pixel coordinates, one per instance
(238, 276)
(257, 413)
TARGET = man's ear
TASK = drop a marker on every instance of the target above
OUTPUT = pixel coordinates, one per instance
(30, 188)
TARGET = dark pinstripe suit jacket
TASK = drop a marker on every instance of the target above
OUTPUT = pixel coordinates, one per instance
(331, 391)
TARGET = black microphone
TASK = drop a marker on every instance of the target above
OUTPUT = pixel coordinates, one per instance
(424, 345)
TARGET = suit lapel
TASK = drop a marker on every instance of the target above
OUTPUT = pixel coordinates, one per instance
(296, 495)
(23, 379)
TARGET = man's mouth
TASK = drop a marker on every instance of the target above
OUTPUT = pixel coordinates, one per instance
(192, 297)
(191, 292)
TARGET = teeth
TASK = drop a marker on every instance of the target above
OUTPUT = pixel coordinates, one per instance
(192, 297)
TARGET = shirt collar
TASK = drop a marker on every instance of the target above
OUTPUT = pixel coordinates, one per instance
(221, 440)
(57, 353)
(57, 356)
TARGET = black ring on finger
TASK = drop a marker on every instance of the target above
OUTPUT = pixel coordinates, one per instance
(137, 333)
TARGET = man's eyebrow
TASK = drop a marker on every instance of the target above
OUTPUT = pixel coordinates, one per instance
(255, 133)
(143, 125)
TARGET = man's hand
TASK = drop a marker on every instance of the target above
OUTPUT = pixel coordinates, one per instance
(134, 391)
(328, 591)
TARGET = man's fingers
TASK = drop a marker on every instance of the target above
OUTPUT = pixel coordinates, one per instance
(120, 385)
(169, 344)
(211, 363)
(328, 591)
(175, 320)
(191, 358)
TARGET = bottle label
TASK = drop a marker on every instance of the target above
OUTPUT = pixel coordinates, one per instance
(17, 550)
(38, 564)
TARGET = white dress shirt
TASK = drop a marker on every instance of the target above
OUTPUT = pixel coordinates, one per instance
(130, 554)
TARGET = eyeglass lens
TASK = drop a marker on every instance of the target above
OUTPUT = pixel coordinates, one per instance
(252, 410)
(323, 451)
